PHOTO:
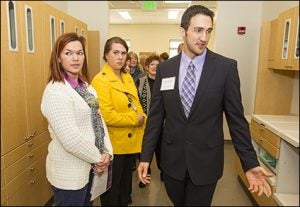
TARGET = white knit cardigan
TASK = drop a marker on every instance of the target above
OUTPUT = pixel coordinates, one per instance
(72, 149)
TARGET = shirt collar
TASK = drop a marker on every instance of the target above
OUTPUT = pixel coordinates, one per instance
(72, 82)
(197, 61)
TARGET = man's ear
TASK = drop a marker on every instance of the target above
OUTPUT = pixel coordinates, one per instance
(182, 32)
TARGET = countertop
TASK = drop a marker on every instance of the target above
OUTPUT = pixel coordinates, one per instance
(287, 127)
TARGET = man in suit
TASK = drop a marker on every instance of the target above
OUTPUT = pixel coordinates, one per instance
(191, 92)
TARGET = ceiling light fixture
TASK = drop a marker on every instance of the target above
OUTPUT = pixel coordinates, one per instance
(172, 14)
(124, 15)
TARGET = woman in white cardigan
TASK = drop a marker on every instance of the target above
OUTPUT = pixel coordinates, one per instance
(80, 147)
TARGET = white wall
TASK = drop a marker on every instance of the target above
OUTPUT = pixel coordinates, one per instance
(243, 48)
(61, 5)
(271, 9)
(96, 15)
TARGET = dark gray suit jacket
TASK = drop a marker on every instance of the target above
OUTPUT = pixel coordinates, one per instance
(195, 144)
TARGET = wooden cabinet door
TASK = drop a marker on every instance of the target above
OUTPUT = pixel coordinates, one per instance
(63, 18)
(295, 42)
(272, 45)
(13, 105)
(50, 33)
(285, 39)
(93, 53)
(33, 65)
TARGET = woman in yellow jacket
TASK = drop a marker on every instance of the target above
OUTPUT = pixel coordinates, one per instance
(124, 117)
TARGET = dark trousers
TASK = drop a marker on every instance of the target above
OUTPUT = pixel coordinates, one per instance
(185, 193)
(118, 193)
(79, 197)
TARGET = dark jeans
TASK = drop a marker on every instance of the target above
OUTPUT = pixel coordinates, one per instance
(79, 197)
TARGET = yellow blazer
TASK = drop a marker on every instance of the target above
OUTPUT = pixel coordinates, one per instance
(120, 118)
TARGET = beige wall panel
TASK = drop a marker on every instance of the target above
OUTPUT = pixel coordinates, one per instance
(150, 37)
(13, 108)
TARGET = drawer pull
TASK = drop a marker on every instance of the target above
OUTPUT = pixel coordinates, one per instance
(30, 144)
(30, 156)
(31, 169)
(28, 138)
(33, 134)
(32, 181)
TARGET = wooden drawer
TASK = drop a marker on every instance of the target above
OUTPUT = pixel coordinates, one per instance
(36, 192)
(265, 133)
(262, 200)
(26, 176)
(13, 156)
(271, 149)
(18, 167)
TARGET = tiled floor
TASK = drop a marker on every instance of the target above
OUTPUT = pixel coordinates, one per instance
(228, 192)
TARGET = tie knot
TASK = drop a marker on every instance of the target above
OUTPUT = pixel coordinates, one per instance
(191, 66)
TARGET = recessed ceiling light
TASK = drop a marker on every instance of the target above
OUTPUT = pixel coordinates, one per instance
(125, 15)
(172, 14)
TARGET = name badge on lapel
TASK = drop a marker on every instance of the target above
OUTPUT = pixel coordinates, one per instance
(167, 84)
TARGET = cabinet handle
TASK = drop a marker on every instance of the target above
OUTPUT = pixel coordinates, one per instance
(33, 134)
(32, 181)
(262, 126)
(30, 156)
(30, 136)
(30, 144)
(31, 169)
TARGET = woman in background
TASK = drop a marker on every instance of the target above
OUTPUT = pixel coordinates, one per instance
(80, 144)
(145, 88)
(124, 116)
(135, 71)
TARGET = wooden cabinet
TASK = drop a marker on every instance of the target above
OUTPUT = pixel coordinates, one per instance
(274, 88)
(265, 138)
(28, 32)
(287, 49)
(13, 107)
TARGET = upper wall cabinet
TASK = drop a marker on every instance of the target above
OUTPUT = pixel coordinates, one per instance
(287, 41)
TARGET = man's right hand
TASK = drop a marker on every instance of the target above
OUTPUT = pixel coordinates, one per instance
(142, 172)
